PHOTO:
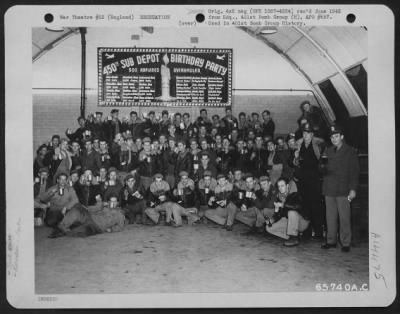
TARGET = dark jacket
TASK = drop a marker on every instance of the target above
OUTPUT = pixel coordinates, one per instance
(259, 163)
(149, 169)
(293, 202)
(128, 197)
(226, 163)
(342, 171)
(91, 161)
(183, 163)
(87, 194)
(265, 199)
(268, 129)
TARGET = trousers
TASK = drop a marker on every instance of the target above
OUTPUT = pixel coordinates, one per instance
(338, 207)
(133, 210)
(191, 214)
(154, 212)
(291, 226)
(222, 215)
(254, 216)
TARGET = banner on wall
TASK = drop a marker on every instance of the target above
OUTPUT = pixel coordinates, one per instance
(164, 77)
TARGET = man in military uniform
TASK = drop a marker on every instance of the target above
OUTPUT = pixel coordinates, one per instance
(339, 187)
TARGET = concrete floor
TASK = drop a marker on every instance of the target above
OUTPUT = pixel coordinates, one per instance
(201, 258)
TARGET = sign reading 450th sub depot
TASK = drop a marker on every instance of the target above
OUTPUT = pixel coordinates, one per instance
(164, 77)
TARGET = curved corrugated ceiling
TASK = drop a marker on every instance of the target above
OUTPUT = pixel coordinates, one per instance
(318, 53)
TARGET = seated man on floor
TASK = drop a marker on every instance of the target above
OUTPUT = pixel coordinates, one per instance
(42, 183)
(158, 200)
(186, 197)
(289, 218)
(87, 189)
(132, 199)
(224, 209)
(205, 190)
(245, 201)
(83, 221)
(61, 198)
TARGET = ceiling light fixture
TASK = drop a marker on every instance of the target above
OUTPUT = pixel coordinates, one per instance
(267, 31)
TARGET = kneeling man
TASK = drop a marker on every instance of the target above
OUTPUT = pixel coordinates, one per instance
(289, 218)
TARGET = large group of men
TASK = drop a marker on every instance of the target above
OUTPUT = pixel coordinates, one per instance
(109, 173)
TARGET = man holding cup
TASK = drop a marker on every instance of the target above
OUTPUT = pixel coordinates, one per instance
(61, 198)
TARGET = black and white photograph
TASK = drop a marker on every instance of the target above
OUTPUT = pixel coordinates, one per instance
(209, 160)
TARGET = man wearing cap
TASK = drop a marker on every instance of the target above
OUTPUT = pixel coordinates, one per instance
(183, 160)
(243, 124)
(186, 197)
(307, 156)
(224, 209)
(133, 199)
(289, 218)
(113, 186)
(158, 200)
(104, 154)
(113, 126)
(245, 201)
(60, 198)
(90, 159)
(205, 189)
(87, 189)
(339, 188)
(263, 205)
(148, 164)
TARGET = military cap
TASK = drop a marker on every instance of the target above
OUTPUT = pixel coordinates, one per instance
(128, 177)
(114, 111)
(183, 174)
(99, 113)
(112, 169)
(207, 173)
(146, 139)
(158, 175)
(307, 128)
(44, 169)
(220, 176)
(264, 178)
(334, 129)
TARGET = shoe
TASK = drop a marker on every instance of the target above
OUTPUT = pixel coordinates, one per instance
(229, 228)
(293, 241)
(328, 246)
(346, 249)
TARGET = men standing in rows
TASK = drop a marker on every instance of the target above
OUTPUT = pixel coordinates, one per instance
(290, 217)
(339, 187)
(307, 159)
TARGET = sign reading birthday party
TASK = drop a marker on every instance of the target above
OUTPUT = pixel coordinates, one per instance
(164, 77)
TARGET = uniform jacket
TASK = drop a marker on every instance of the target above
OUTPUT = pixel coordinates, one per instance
(91, 161)
(183, 163)
(342, 171)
